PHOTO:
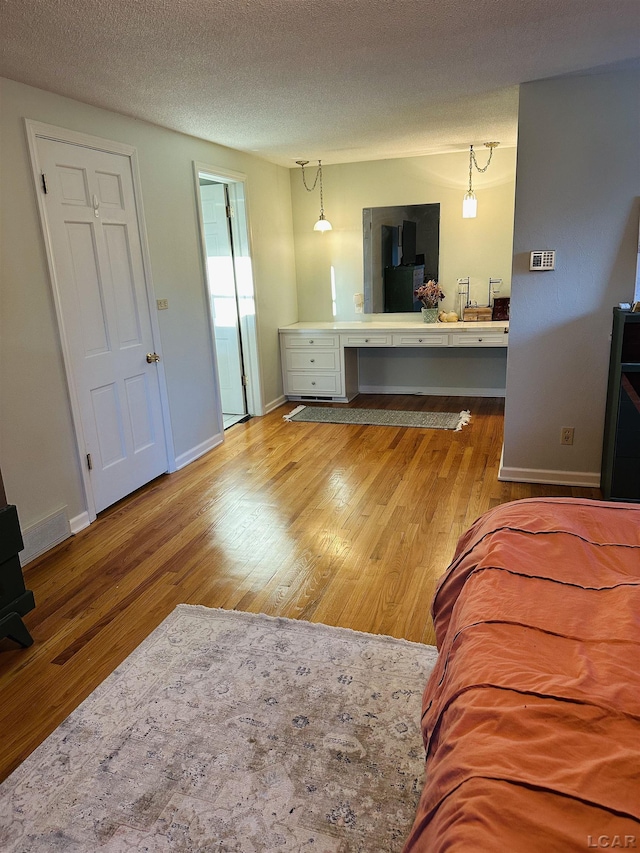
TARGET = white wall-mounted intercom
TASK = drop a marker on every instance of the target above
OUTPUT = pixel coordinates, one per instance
(543, 259)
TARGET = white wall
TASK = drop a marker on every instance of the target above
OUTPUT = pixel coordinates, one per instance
(37, 449)
(578, 183)
(479, 248)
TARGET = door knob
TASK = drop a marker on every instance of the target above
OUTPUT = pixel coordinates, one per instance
(152, 357)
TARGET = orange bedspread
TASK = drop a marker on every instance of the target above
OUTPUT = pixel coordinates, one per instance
(531, 718)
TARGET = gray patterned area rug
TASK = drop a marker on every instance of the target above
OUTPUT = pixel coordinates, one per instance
(227, 731)
(379, 417)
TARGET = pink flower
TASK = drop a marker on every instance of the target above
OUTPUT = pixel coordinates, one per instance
(429, 294)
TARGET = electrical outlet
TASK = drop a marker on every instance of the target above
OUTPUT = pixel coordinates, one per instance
(162, 304)
(566, 435)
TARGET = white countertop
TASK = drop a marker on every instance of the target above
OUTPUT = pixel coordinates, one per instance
(394, 325)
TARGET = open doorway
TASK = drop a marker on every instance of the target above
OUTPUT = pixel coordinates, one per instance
(229, 289)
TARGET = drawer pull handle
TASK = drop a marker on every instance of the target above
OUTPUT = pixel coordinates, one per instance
(366, 340)
(313, 383)
(419, 340)
(311, 360)
(310, 342)
(479, 340)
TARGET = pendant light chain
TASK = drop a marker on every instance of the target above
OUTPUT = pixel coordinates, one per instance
(472, 156)
(469, 202)
(322, 224)
(318, 175)
(473, 162)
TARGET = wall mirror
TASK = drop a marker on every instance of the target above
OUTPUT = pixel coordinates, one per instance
(401, 250)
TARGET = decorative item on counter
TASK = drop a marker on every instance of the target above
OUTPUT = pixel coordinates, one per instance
(494, 289)
(474, 314)
(448, 317)
(501, 308)
(464, 294)
(429, 315)
(430, 295)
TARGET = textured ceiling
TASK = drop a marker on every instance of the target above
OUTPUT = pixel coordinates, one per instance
(341, 80)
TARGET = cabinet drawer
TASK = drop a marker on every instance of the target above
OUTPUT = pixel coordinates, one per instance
(308, 341)
(361, 339)
(422, 339)
(312, 359)
(479, 339)
(317, 383)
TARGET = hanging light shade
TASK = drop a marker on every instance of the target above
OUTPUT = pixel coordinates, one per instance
(322, 224)
(469, 205)
(470, 202)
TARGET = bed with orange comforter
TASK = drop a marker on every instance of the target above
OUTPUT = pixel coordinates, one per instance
(531, 718)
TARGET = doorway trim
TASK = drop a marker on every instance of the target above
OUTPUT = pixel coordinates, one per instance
(38, 130)
(235, 181)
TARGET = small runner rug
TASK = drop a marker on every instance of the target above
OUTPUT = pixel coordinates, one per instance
(233, 731)
(379, 417)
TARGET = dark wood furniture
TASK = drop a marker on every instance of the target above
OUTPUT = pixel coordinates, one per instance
(620, 479)
(15, 599)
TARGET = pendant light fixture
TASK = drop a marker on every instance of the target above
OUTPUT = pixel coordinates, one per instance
(322, 224)
(470, 202)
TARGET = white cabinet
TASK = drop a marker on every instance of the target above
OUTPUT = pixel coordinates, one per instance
(367, 339)
(479, 339)
(309, 342)
(312, 366)
(421, 339)
(312, 360)
(314, 384)
(320, 360)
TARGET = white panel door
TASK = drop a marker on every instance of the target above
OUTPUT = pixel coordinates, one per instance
(223, 299)
(95, 241)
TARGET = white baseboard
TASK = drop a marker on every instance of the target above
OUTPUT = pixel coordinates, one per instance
(79, 522)
(274, 404)
(436, 391)
(43, 535)
(582, 479)
(198, 451)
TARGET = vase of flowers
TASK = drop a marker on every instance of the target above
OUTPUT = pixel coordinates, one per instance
(430, 295)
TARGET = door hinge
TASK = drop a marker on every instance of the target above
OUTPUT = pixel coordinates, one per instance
(245, 381)
(230, 213)
(89, 462)
(44, 183)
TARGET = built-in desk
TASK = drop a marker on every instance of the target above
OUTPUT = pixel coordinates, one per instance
(321, 360)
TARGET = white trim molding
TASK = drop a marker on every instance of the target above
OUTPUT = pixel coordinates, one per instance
(49, 532)
(199, 450)
(274, 404)
(581, 479)
(236, 183)
(79, 522)
(44, 534)
(436, 390)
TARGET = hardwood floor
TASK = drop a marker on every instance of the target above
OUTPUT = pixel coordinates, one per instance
(340, 524)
